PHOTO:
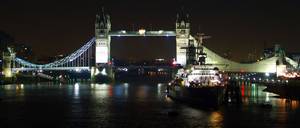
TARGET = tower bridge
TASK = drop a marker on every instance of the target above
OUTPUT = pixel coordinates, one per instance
(98, 47)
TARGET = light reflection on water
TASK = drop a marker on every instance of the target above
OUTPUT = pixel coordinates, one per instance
(136, 105)
(101, 90)
(76, 91)
(253, 94)
(216, 119)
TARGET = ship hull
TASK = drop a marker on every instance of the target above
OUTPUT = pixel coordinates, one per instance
(204, 96)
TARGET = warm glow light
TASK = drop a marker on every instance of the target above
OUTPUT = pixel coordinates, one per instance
(291, 75)
(142, 31)
(281, 70)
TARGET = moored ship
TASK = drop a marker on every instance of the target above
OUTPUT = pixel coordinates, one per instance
(198, 83)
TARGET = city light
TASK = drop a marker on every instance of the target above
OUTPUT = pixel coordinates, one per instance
(267, 74)
(123, 31)
(142, 31)
(291, 75)
(159, 59)
(160, 31)
(123, 69)
(160, 69)
(77, 70)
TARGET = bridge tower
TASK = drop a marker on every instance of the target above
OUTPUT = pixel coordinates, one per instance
(102, 29)
(102, 51)
(8, 62)
(182, 36)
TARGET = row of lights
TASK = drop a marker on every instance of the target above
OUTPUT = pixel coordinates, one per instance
(260, 79)
(141, 32)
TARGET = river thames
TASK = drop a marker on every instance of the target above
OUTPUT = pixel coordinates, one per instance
(135, 105)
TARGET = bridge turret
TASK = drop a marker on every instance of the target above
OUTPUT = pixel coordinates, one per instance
(102, 29)
(102, 24)
(182, 36)
(183, 24)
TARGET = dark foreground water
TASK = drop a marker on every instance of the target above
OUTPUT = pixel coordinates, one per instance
(135, 105)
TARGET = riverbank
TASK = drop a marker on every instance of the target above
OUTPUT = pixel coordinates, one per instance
(29, 79)
(21, 79)
(4, 81)
(290, 90)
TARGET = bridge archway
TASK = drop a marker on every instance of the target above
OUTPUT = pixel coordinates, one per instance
(103, 36)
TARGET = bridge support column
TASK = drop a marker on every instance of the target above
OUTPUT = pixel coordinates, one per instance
(110, 72)
(102, 73)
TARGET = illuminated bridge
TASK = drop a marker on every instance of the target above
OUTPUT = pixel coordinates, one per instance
(99, 48)
(81, 60)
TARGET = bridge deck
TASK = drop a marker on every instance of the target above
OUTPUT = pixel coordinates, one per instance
(147, 33)
(53, 68)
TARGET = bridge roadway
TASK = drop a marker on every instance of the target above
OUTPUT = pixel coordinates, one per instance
(143, 33)
(52, 69)
(85, 68)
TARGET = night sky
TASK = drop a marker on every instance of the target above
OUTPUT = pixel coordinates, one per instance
(143, 48)
(54, 27)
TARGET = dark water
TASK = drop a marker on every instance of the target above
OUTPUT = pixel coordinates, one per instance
(135, 105)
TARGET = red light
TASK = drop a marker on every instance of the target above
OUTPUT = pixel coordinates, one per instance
(174, 62)
(243, 89)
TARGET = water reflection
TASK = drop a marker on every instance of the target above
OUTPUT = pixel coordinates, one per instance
(76, 91)
(12, 90)
(137, 105)
(267, 97)
(118, 91)
(101, 90)
(126, 85)
(159, 88)
(142, 92)
(216, 119)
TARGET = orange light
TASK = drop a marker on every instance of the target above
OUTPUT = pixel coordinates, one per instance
(142, 31)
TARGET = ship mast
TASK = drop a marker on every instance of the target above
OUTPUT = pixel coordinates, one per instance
(201, 56)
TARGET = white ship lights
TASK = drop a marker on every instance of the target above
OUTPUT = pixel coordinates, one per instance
(200, 76)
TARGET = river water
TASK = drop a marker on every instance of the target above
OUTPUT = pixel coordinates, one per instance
(135, 105)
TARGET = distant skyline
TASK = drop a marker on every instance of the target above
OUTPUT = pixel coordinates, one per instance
(55, 27)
